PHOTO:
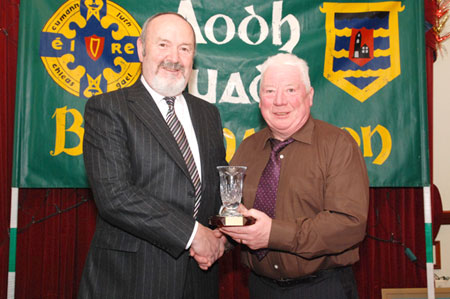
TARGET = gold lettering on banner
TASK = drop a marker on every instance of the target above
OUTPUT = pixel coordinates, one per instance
(76, 128)
(367, 134)
(249, 133)
(129, 48)
(353, 134)
(115, 48)
(386, 142)
(230, 141)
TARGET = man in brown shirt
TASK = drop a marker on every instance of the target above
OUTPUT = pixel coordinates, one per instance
(322, 196)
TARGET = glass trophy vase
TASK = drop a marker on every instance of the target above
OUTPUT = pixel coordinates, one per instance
(231, 183)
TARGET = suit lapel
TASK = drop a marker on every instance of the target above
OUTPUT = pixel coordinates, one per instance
(143, 105)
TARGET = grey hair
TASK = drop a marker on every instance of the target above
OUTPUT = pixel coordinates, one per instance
(147, 23)
(289, 59)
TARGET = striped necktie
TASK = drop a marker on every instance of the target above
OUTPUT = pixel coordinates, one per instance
(178, 132)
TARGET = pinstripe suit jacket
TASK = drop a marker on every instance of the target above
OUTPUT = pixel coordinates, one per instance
(144, 195)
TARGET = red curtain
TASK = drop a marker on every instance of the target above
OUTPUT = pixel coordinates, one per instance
(56, 225)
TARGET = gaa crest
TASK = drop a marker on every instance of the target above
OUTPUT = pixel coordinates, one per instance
(362, 51)
(88, 47)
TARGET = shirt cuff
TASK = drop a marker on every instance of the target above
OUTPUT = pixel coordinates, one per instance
(194, 231)
(282, 235)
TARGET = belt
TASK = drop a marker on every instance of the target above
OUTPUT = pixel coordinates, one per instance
(289, 282)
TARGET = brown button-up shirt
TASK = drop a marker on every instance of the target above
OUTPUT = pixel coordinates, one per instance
(322, 200)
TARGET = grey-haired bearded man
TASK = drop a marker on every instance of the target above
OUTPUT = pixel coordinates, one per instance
(151, 152)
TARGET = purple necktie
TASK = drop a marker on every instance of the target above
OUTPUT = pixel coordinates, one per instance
(266, 194)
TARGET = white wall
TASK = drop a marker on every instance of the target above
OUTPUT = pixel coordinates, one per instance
(441, 146)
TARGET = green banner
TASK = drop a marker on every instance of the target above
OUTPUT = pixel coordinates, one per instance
(367, 66)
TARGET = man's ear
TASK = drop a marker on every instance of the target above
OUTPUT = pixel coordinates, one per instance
(260, 92)
(311, 96)
(140, 48)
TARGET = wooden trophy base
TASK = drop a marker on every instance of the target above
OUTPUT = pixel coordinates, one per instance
(221, 221)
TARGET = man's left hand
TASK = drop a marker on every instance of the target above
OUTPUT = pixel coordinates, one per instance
(204, 262)
(255, 236)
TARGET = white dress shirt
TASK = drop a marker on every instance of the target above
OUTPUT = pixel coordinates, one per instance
(182, 112)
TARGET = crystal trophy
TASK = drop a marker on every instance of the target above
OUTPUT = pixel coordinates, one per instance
(231, 183)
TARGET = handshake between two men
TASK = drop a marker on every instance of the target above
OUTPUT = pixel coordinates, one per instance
(209, 245)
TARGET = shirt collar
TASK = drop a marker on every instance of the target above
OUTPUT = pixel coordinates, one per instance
(304, 134)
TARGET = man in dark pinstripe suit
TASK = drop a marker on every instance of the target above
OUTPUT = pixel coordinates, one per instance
(147, 242)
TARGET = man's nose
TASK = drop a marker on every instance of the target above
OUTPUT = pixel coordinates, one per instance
(173, 55)
(279, 99)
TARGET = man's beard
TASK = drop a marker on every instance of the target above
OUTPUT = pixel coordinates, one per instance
(166, 86)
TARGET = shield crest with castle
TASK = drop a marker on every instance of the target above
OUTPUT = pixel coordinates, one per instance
(362, 50)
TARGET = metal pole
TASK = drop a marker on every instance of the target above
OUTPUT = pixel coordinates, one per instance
(428, 241)
(12, 243)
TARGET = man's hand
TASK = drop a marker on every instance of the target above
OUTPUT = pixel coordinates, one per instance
(207, 246)
(255, 236)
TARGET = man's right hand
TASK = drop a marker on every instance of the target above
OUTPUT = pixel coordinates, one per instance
(208, 245)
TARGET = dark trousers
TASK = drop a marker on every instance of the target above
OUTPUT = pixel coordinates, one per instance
(201, 284)
(337, 283)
